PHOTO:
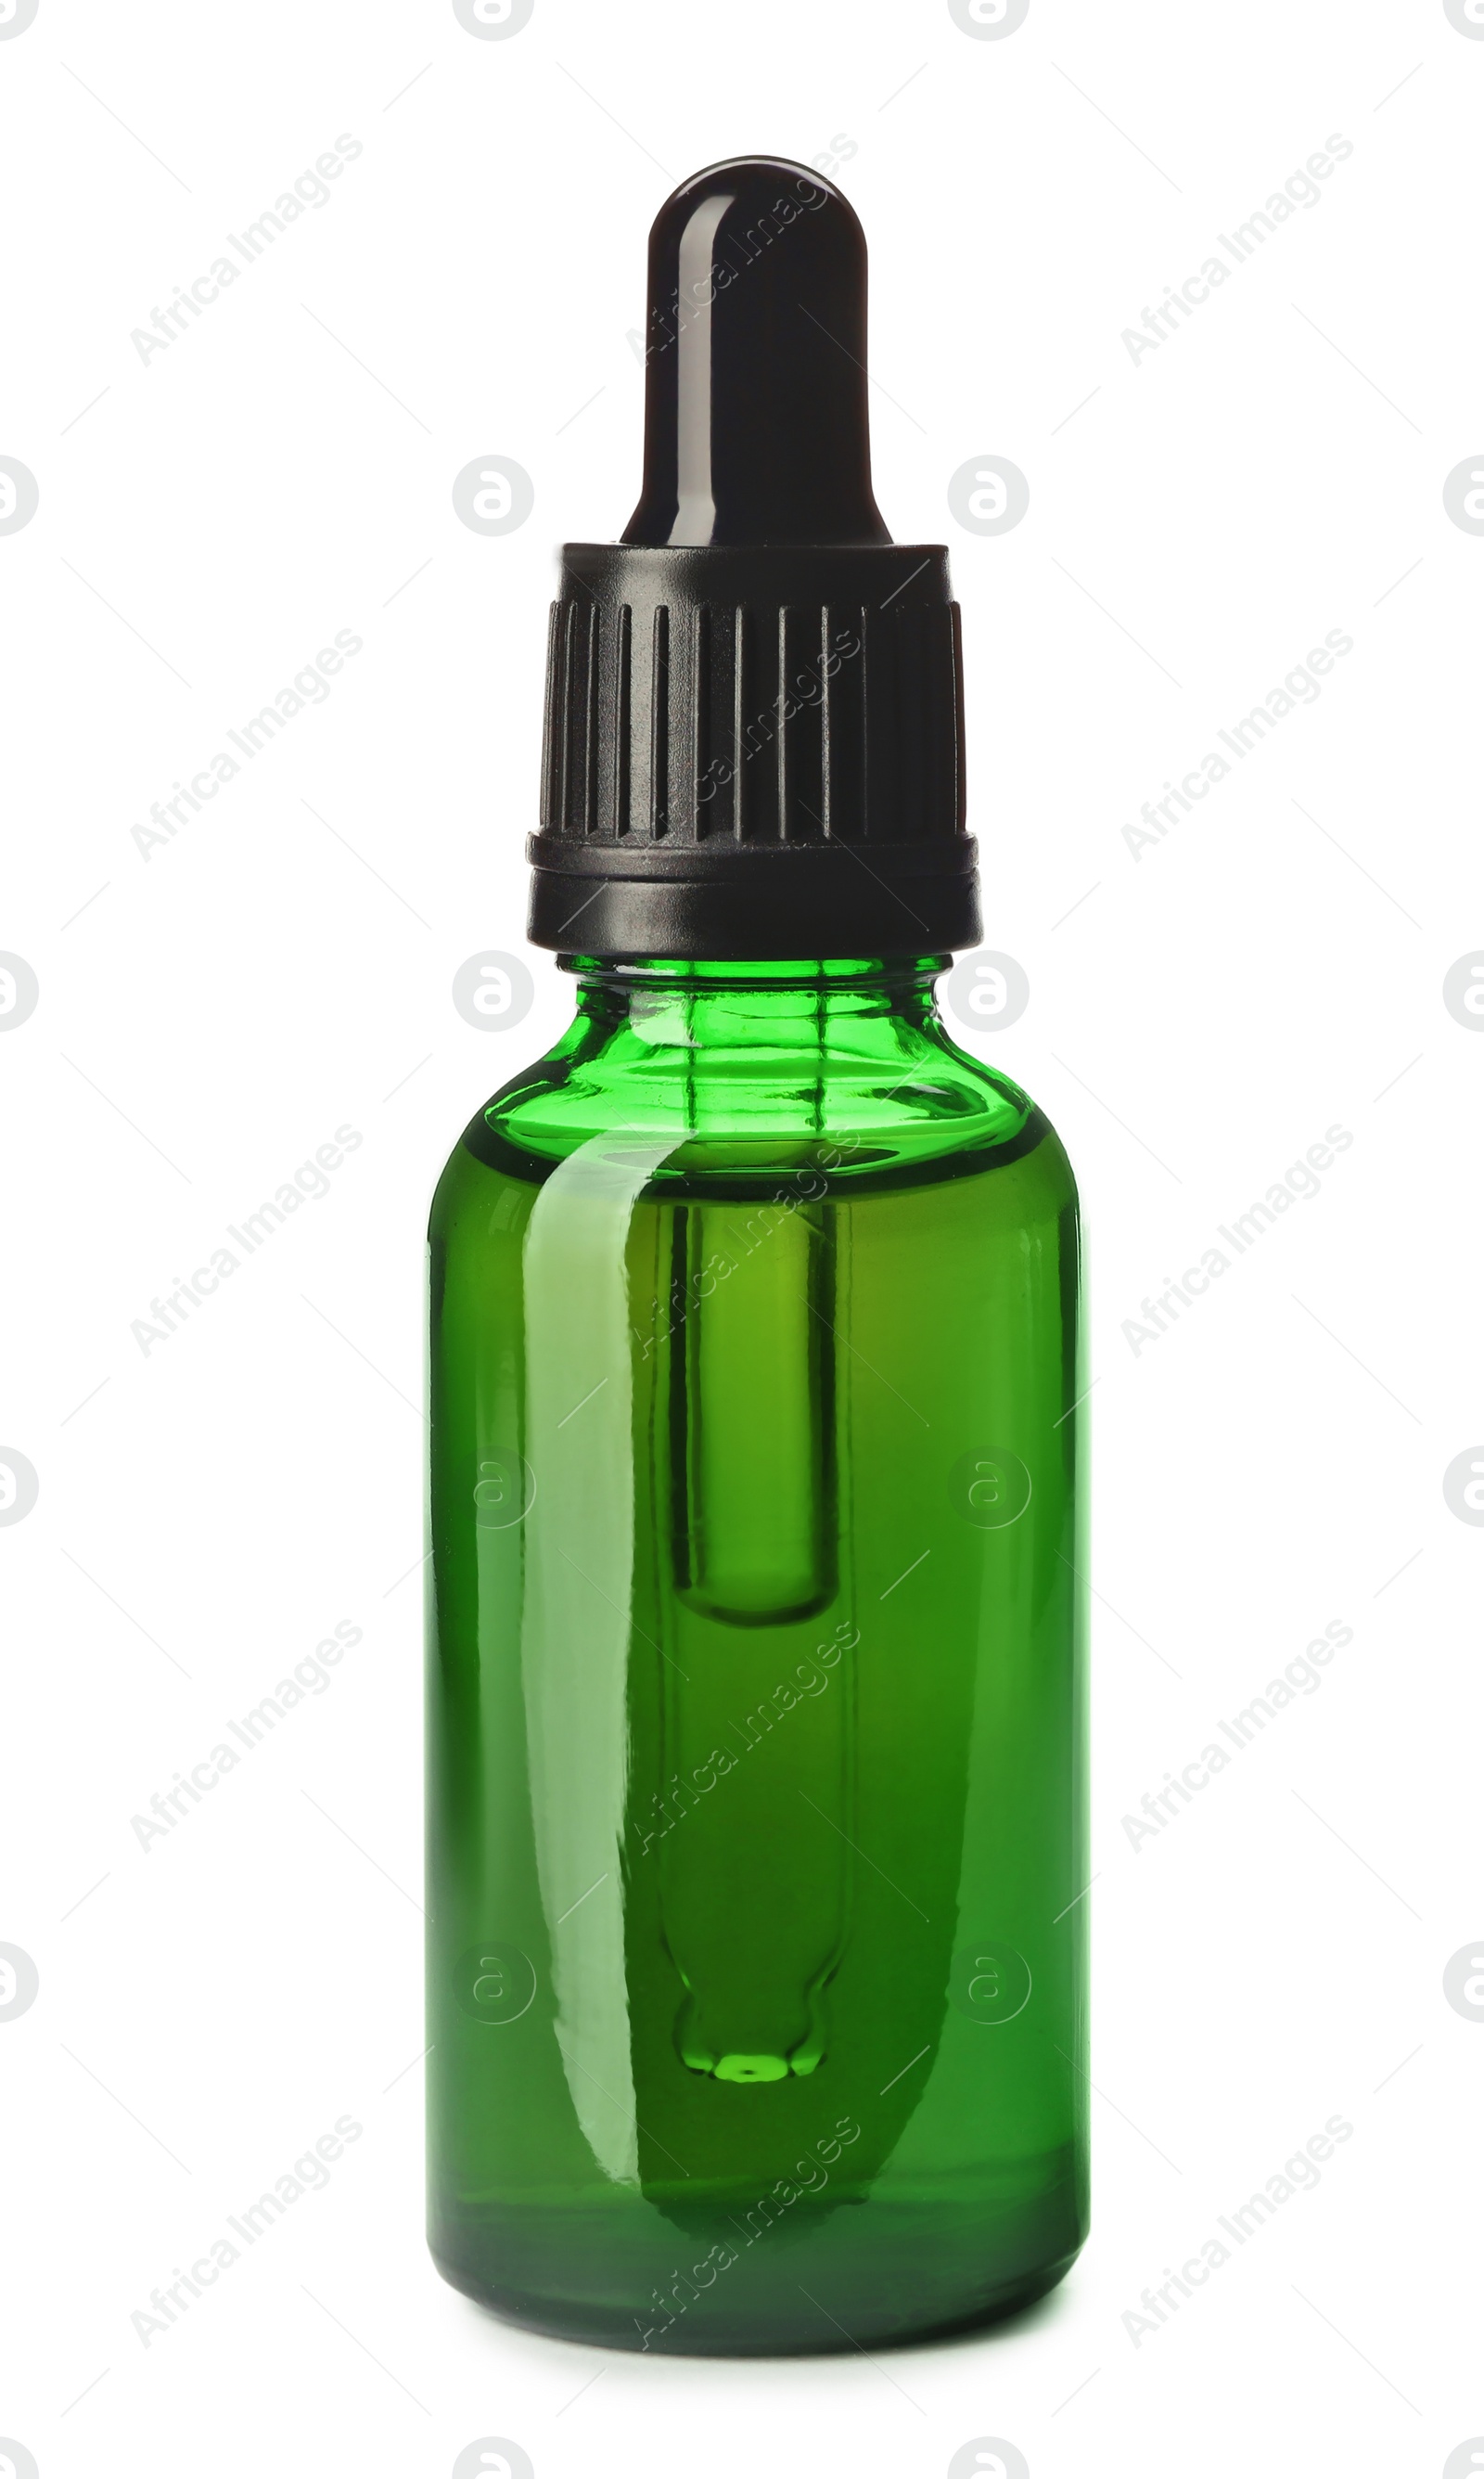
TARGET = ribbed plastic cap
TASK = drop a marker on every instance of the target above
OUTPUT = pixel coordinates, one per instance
(754, 706)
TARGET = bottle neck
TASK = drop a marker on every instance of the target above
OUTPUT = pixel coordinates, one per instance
(716, 1013)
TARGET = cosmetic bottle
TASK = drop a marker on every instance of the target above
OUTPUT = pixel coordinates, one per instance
(757, 1957)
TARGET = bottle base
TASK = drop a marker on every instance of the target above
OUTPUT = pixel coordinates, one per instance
(813, 2290)
(564, 2322)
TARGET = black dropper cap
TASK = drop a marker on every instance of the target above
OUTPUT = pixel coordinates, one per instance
(754, 709)
(757, 425)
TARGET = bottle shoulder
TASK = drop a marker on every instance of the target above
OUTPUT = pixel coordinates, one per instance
(853, 1121)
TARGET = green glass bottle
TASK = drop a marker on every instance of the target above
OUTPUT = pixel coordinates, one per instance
(757, 1965)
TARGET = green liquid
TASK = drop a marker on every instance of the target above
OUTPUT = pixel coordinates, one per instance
(755, 1963)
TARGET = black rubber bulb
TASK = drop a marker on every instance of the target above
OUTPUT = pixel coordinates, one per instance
(755, 421)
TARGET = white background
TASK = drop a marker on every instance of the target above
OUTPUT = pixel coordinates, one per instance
(208, 1016)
